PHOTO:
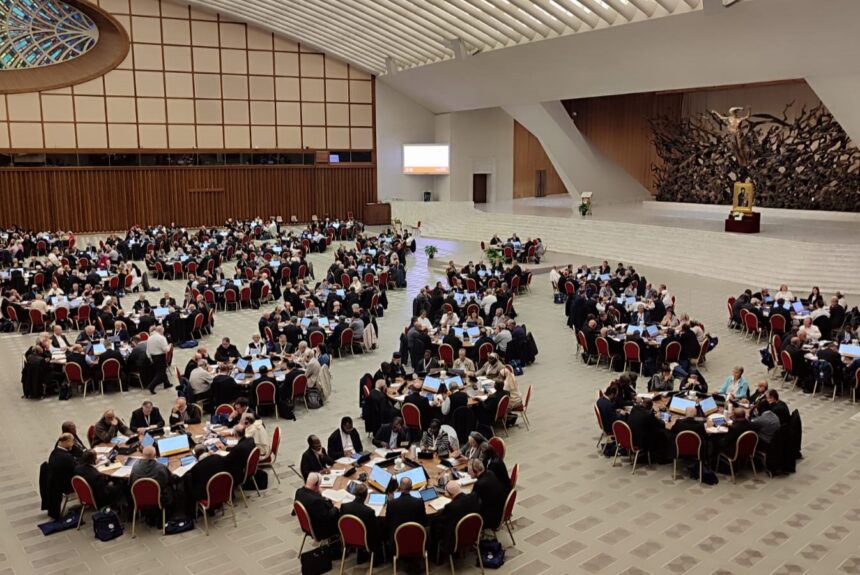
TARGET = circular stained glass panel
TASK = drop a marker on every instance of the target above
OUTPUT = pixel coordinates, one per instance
(35, 33)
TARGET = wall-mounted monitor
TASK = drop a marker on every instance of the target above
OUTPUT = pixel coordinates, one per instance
(425, 159)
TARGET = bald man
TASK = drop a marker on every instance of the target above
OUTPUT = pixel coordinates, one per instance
(149, 467)
(404, 509)
(323, 514)
(444, 523)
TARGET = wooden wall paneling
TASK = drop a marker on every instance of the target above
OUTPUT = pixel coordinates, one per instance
(529, 156)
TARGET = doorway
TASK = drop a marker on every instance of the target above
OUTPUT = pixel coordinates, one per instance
(479, 188)
(540, 183)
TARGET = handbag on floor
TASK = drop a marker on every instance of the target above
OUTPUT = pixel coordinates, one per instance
(315, 561)
(492, 553)
(106, 525)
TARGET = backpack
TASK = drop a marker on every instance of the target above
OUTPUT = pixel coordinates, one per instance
(65, 391)
(518, 367)
(174, 526)
(106, 525)
(314, 398)
(558, 297)
(492, 553)
(823, 373)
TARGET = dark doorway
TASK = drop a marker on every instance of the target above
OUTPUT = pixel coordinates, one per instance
(540, 183)
(479, 188)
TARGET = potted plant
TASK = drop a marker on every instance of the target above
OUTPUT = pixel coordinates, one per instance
(494, 255)
(430, 250)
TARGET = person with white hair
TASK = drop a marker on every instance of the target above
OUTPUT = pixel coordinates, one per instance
(322, 513)
(157, 349)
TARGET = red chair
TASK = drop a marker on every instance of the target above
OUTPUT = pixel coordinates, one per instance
(731, 304)
(113, 284)
(507, 514)
(466, 537)
(159, 270)
(265, 293)
(303, 269)
(269, 460)
(483, 246)
(209, 296)
(631, 356)
(75, 377)
(178, 272)
(411, 416)
(508, 254)
(316, 339)
(687, 444)
(369, 278)
(603, 434)
(111, 370)
(85, 496)
(305, 525)
(346, 341)
(410, 540)
(250, 470)
(308, 303)
(266, 395)
(446, 354)
(777, 323)
(249, 273)
(752, 326)
(245, 296)
(129, 279)
(353, 533)
(83, 315)
(703, 350)
(61, 315)
(230, 299)
(745, 448)
(285, 274)
(300, 387)
(91, 435)
(383, 280)
(471, 285)
(219, 491)
(788, 366)
(856, 386)
(269, 335)
(37, 319)
(524, 406)
(146, 494)
(624, 439)
(498, 445)
(344, 280)
(603, 352)
(224, 409)
(197, 329)
(673, 352)
(446, 307)
(743, 313)
(515, 284)
(484, 352)
(492, 283)
(502, 413)
(191, 268)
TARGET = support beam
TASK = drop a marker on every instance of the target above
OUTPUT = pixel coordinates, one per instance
(839, 94)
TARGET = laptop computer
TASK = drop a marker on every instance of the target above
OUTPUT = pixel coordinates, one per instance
(417, 475)
(679, 405)
(708, 405)
(379, 479)
(173, 445)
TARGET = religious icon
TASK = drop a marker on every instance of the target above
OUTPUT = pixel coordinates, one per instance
(734, 122)
(743, 197)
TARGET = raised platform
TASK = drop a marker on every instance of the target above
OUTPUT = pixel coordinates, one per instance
(801, 249)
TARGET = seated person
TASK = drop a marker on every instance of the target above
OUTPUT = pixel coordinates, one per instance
(462, 362)
(226, 352)
(496, 465)
(774, 403)
(315, 458)
(690, 422)
(645, 426)
(435, 439)
(358, 508)
(200, 380)
(758, 394)
(739, 424)
(486, 410)
(490, 491)
(322, 513)
(404, 509)
(345, 440)
(694, 382)
(444, 523)
(183, 413)
(109, 426)
(255, 429)
(735, 387)
(145, 417)
(240, 407)
(766, 426)
(256, 347)
(149, 467)
(391, 435)
(472, 448)
(607, 409)
(104, 490)
(662, 381)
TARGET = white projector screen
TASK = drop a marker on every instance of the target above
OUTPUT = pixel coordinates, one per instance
(425, 159)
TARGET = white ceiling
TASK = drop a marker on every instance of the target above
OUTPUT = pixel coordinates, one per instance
(384, 35)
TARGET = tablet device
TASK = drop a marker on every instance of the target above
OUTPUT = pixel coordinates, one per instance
(98, 348)
(237, 283)
(172, 445)
(241, 364)
(473, 332)
(323, 321)
(631, 301)
(666, 416)
(417, 475)
(603, 277)
(798, 307)
(653, 330)
(432, 383)
(187, 460)
(160, 312)
(147, 440)
(458, 331)
(306, 321)
(340, 293)
(428, 494)
(719, 421)
(379, 478)
(102, 273)
(376, 499)
(708, 405)
(481, 273)
(679, 405)
(258, 363)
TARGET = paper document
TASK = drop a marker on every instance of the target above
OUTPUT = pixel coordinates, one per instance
(344, 460)
(222, 453)
(327, 481)
(180, 471)
(464, 481)
(338, 495)
(102, 449)
(439, 503)
(123, 471)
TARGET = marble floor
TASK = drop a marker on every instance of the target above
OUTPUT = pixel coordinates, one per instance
(575, 513)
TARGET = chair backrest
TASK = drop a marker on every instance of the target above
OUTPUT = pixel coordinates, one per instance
(91, 435)
(346, 337)
(751, 321)
(580, 337)
(252, 463)
(498, 445)
(198, 321)
(84, 312)
(631, 351)
(527, 398)
(508, 510)
(411, 415)
(746, 444)
(446, 353)
(777, 322)
(786, 362)
(353, 531)
(276, 442)
(304, 519)
(209, 296)
(316, 339)
(471, 286)
(599, 418)
(74, 373)
(146, 493)
(602, 346)
(673, 351)
(265, 393)
(143, 336)
(36, 317)
(62, 313)
(688, 443)
(515, 474)
(111, 369)
(219, 489)
(502, 408)
(300, 385)
(83, 491)
(857, 379)
(230, 295)
(410, 540)
(484, 352)
(177, 268)
(246, 293)
(468, 532)
(703, 349)
(622, 434)
(224, 408)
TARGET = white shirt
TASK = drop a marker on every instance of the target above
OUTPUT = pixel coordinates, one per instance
(451, 319)
(786, 295)
(554, 276)
(488, 302)
(156, 345)
(428, 325)
(346, 440)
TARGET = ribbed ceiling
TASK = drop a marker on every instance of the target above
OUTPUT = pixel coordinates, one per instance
(385, 35)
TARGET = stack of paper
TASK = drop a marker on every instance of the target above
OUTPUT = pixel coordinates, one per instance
(338, 495)
(439, 503)
(102, 449)
(468, 480)
(122, 471)
(180, 471)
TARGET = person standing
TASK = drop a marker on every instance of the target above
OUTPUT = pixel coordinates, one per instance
(157, 349)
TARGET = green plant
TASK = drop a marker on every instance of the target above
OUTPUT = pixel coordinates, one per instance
(494, 255)
(430, 250)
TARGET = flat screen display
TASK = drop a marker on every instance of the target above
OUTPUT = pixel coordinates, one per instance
(172, 445)
(425, 159)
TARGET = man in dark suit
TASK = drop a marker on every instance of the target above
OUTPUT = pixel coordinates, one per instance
(457, 399)
(775, 404)
(293, 332)
(167, 300)
(490, 491)
(145, 417)
(689, 423)
(358, 508)
(345, 440)
(444, 523)
(111, 353)
(486, 411)
(404, 509)
(226, 352)
(105, 492)
(391, 435)
(322, 513)
(419, 401)
(645, 426)
(607, 408)
(739, 425)
(208, 464)
(237, 459)
(78, 446)
(61, 468)
(315, 457)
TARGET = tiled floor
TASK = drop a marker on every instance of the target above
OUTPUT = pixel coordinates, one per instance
(575, 513)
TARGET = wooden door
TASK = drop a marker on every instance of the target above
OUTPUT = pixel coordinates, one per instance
(479, 188)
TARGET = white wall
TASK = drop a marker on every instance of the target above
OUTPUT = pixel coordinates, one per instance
(839, 94)
(400, 120)
(482, 142)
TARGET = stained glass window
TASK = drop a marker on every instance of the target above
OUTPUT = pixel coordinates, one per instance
(37, 33)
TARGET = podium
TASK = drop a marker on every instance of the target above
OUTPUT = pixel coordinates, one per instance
(749, 224)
